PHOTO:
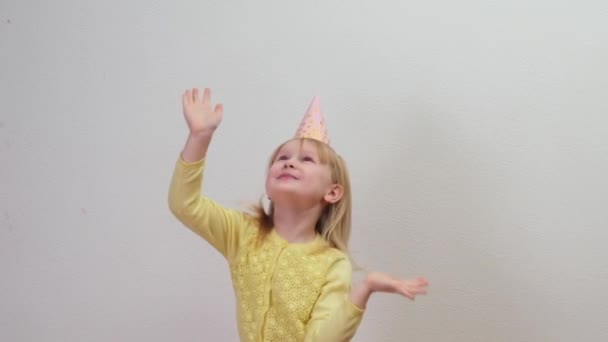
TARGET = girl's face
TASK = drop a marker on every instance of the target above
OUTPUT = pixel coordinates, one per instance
(298, 176)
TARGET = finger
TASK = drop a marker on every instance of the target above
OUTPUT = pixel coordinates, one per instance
(406, 293)
(422, 280)
(418, 281)
(418, 291)
(206, 96)
(413, 289)
(219, 108)
(188, 96)
(195, 95)
(413, 284)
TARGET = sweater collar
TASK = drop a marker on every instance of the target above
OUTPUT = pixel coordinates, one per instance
(316, 243)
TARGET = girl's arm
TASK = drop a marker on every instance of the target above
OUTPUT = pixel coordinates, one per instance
(220, 226)
(196, 146)
(382, 282)
(335, 317)
(339, 309)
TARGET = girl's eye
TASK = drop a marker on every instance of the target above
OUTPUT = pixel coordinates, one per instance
(282, 158)
(308, 159)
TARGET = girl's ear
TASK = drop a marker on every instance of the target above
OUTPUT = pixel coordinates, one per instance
(334, 194)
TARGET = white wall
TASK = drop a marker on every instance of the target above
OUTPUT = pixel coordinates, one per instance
(476, 133)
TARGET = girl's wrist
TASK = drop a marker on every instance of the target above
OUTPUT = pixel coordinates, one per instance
(367, 285)
(360, 294)
(202, 135)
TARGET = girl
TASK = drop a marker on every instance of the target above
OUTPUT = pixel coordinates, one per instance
(290, 268)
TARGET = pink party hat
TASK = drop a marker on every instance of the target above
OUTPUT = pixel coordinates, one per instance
(313, 124)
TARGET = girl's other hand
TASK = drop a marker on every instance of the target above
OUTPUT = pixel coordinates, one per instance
(382, 282)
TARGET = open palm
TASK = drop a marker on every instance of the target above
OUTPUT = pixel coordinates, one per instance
(198, 113)
(382, 282)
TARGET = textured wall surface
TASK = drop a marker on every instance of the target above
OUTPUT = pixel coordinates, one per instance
(475, 132)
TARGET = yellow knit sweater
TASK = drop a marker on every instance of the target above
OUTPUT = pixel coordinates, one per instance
(284, 291)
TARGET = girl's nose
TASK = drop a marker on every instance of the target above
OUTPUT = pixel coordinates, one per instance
(287, 165)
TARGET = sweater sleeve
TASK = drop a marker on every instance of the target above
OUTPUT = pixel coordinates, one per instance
(219, 226)
(334, 317)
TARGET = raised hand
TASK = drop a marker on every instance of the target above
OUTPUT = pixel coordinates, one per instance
(201, 119)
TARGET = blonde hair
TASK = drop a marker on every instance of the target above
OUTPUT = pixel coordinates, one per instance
(335, 220)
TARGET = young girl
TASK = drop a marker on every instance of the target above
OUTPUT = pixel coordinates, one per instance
(290, 268)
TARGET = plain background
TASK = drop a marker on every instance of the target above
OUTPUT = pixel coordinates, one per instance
(475, 132)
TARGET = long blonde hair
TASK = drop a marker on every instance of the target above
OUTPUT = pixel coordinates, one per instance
(335, 220)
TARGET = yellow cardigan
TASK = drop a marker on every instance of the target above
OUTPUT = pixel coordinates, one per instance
(284, 291)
